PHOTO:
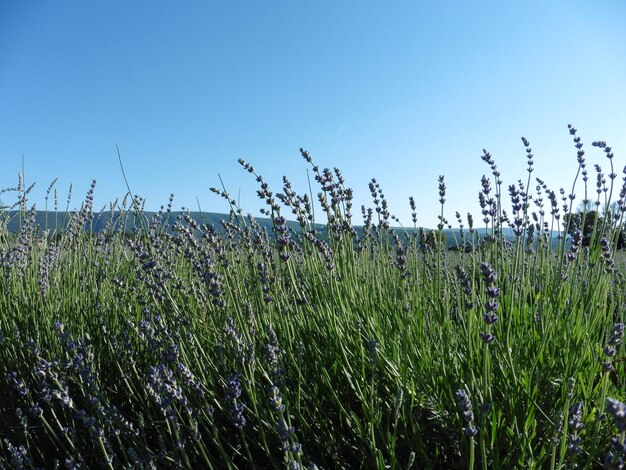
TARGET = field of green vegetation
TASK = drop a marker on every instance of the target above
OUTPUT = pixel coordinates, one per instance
(182, 345)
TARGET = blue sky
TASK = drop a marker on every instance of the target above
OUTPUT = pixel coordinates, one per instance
(400, 91)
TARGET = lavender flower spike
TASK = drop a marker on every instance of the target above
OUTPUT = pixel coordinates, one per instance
(233, 392)
(575, 424)
(464, 405)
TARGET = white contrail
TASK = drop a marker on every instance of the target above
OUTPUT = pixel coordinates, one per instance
(342, 126)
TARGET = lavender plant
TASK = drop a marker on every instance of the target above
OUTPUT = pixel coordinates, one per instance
(155, 342)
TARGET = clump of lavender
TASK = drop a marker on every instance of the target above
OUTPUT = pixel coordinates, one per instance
(264, 279)
(600, 184)
(101, 418)
(442, 200)
(490, 316)
(232, 339)
(617, 409)
(577, 240)
(489, 205)
(556, 429)
(516, 207)
(15, 259)
(19, 457)
(529, 154)
(324, 249)
(413, 210)
(575, 424)
(290, 446)
(300, 205)
(80, 219)
(165, 391)
(232, 335)
(466, 286)
(282, 237)
(401, 256)
(150, 270)
(611, 348)
(46, 265)
(486, 202)
(17, 384)
(382, 208)
(264, 193)
(607, 256)
(235, 407)
(208, 272)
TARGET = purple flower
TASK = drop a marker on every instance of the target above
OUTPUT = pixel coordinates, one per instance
(233, 392)
(17, 384)
(493, 292)
(464, 405)
(617, 334)
(575, 424)
(490, 318)
(488, 273)
(487, 338)
(617, 409)
(491, 306)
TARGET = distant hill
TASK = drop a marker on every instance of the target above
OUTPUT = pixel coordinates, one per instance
(59, 220)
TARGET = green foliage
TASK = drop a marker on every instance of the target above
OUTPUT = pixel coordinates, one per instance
(591, 223)
(433, 239)
(184, 346)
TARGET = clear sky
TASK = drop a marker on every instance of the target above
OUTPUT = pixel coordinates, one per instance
(402, 91)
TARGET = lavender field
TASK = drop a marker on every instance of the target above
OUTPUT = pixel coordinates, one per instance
(166, 343)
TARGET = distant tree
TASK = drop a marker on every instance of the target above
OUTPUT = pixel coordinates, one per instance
(592, 219)
(621, 238)
(431, 239)
(574, 221)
